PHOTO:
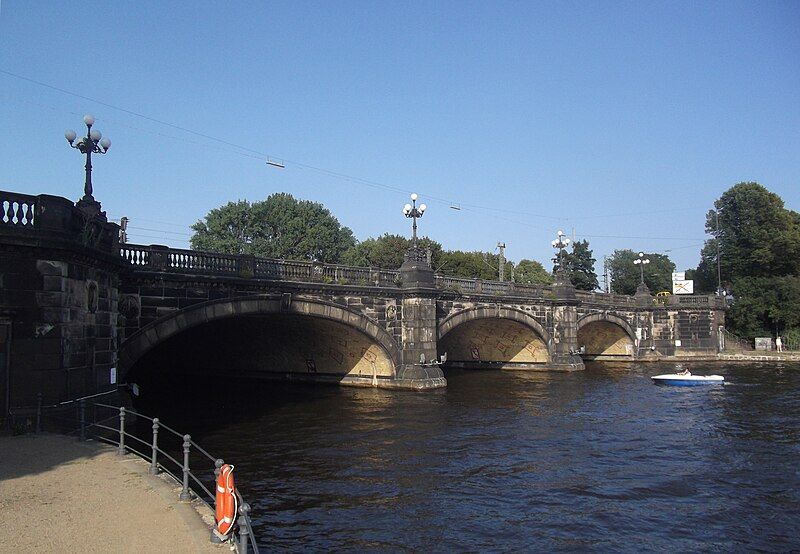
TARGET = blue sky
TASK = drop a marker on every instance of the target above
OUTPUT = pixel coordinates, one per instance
(622, 121)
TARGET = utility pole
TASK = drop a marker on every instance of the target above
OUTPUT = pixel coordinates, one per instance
(719, 272)
(502, 259)
(605, 275)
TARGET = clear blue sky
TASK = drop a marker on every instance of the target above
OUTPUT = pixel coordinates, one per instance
(623, 121)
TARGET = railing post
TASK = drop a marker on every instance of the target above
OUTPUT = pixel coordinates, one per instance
(217, 468)
(121, 448)
(83, 419)
(39, 413)
(187, 443)
(244, 531)
(153, 456)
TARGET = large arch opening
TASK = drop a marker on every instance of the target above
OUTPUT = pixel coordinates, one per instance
(480, 339)
(262, 339)
(604, 337)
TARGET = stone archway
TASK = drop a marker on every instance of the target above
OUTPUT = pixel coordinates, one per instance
(606, 336)
(289, 309)
(494, 337)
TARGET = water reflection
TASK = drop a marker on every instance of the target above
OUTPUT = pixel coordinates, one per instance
(596, 460)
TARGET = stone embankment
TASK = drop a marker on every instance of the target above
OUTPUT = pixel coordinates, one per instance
(755, 356)
(61, 495)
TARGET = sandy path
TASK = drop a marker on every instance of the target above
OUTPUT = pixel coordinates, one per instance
(61, 495)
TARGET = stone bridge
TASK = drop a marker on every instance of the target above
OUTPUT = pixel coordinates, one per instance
(79, 310)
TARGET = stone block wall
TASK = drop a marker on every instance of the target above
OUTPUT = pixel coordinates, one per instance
(63, 316)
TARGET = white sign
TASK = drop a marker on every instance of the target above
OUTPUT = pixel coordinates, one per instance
(683, 287)
(679, 276)
(113, 376)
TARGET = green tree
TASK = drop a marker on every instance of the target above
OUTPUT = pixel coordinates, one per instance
(759, 246)
(757, 237)
(579, 264)
(476, 265)
(279, 227)
(626, 276)
(387, 251)
(531, 272)
(765, 306)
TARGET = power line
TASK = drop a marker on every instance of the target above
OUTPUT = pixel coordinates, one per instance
(260, 155)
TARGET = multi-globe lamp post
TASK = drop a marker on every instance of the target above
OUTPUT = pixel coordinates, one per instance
(92, 143)
(413, 212)
(560, 244)
(641, 261)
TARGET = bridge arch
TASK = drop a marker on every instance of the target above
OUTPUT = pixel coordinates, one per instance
(606, 335)
(161, 330)
(494, 335)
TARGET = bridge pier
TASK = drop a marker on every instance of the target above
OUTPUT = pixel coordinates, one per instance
(418, 369)
(564, 354)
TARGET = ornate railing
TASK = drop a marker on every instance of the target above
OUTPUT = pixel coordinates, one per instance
(162, 258)
(18, 210)
(605, 298)
(27, 217)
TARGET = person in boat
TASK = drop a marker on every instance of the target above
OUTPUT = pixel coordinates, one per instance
(684, 371)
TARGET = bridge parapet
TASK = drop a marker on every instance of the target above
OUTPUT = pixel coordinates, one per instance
(174, 260)
(55, 219)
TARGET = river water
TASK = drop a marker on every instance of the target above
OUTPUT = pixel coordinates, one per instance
(600, 460)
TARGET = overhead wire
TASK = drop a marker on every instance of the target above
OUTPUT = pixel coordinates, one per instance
(256, 154)
(261, 155)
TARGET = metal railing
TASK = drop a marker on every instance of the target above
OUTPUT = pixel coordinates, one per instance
(116, 429)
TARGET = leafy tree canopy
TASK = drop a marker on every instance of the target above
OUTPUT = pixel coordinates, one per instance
(757, 237)
(765, 306)
(759, 260)
(531, 272)
(387, 251)
(626, 275)
(279, 227)
(579, 264)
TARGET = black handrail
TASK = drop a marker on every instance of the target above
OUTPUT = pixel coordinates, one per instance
(242, 537)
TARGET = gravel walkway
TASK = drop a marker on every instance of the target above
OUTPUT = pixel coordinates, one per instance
(61, 495)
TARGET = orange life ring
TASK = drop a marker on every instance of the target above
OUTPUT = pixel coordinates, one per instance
(225, 500)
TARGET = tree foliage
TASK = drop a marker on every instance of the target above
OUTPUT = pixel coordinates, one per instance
(279, 227)
(757, 237)
(579, 264)
(387, 251)
(759, 245)
(626, 275)
(531, 272)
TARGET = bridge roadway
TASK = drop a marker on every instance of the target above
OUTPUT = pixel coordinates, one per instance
(76, 303)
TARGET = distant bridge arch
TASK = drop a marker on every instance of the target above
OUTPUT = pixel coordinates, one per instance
(494, 335)
(606, 335)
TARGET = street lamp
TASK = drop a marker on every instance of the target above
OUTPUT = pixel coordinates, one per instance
(92, 143)
(641, 261)
(560, 243)
(411, 210)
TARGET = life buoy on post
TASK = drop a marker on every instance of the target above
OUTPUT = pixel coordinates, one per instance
(227, 504)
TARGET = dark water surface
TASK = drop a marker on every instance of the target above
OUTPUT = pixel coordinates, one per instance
(601, 460)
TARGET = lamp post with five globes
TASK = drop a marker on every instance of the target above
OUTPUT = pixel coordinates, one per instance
(560, 243)
(92, 143)
(411, 211)
(641, 261)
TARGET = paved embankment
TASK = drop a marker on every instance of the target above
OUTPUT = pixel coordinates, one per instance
(61, 495)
